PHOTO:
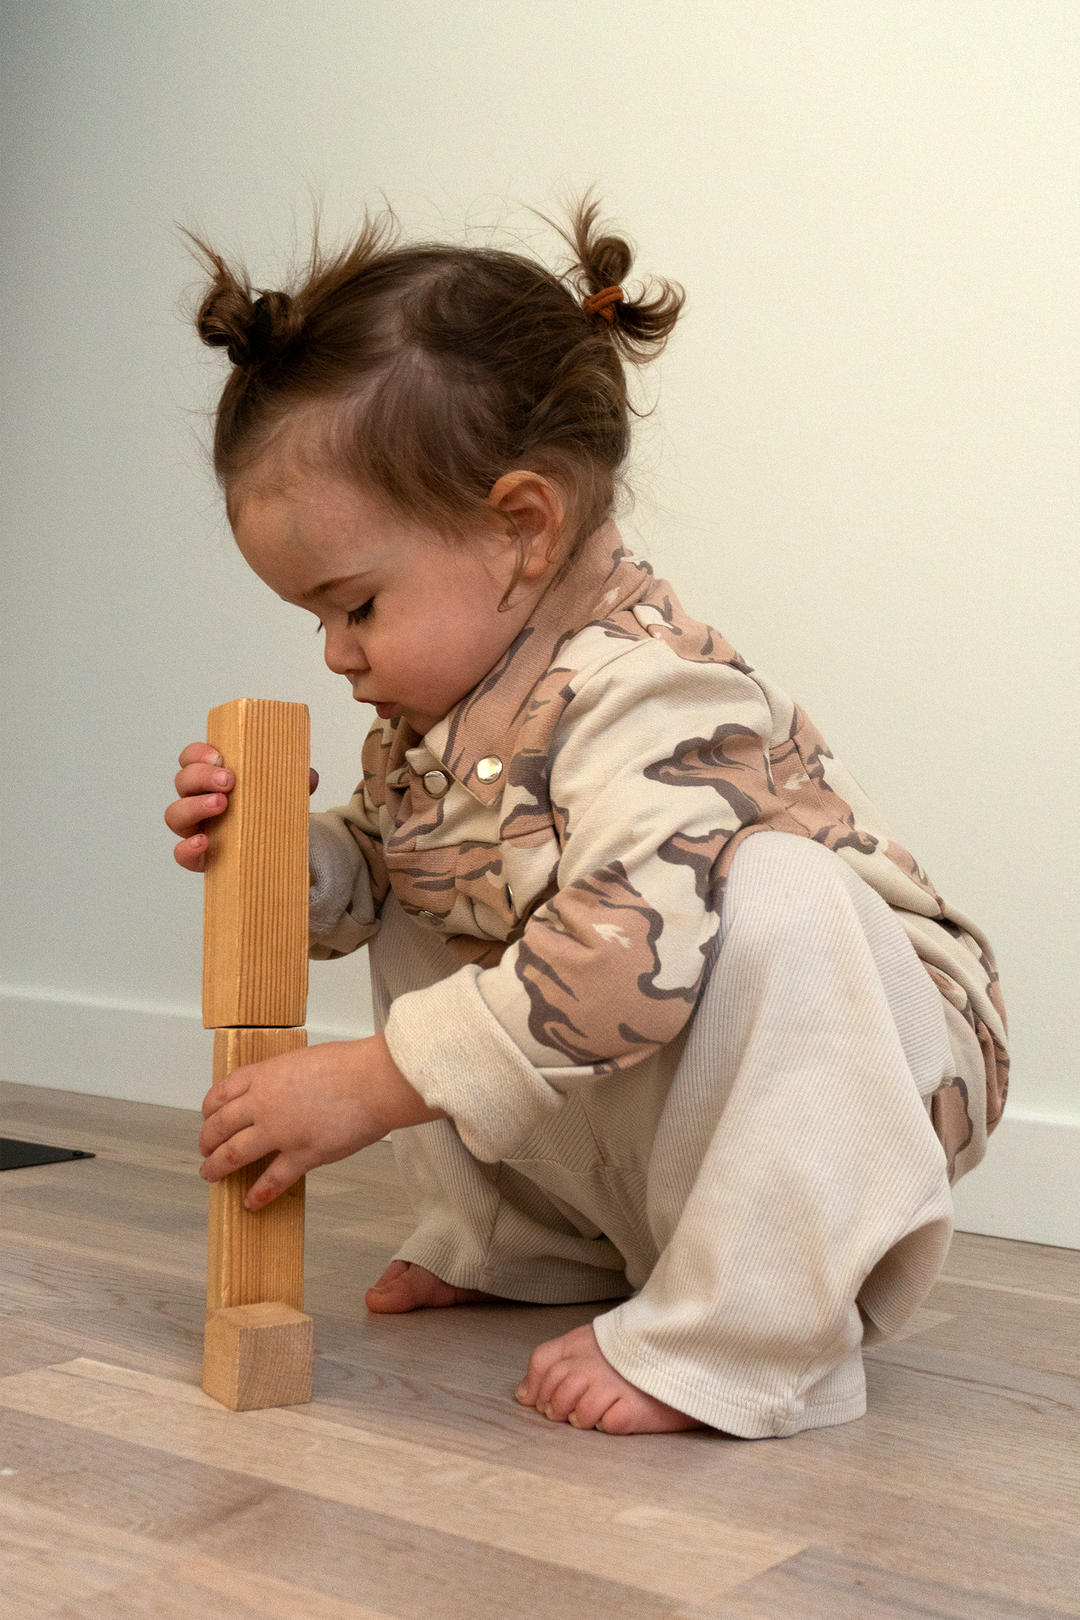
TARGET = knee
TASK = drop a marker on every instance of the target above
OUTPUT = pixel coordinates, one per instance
(780, 882)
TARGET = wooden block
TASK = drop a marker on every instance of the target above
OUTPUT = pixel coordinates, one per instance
(258, 1355)
(255, 928)
(254, 1255)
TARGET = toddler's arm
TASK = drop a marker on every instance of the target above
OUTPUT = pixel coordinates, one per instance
(349, 879)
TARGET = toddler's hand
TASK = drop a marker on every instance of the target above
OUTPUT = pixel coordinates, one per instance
(309, 1107)
(204, 783)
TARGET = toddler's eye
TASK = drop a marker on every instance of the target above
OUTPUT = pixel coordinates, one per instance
(360, 613)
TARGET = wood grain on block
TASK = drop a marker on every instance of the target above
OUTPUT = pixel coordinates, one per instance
(254, 1255)
(258, 1355)
(255, 927)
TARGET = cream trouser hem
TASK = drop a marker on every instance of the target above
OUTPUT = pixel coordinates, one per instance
(768, 1189)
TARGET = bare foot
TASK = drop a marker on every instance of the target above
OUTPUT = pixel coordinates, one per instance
(569, 1381)
(405, 1287)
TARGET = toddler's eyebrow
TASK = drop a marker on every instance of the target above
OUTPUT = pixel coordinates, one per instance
(330, 585)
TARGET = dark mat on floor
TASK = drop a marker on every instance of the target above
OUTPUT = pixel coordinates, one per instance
(16, 1155)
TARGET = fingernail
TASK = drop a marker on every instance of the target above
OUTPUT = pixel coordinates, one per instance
(221, 778)
(519, 1393)
(217, 760)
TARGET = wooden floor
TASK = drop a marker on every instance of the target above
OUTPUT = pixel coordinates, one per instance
(413, 1486)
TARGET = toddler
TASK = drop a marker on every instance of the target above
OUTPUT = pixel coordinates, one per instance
(666, 1018)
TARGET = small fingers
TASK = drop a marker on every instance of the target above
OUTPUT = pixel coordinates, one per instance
(224, 1121)
(203, 778)
(190, 853)
(199, 753)
(243, 1148)
(228, 1090)
(204, 794)
(277, 1178)
(215, 1098)
(185, 816)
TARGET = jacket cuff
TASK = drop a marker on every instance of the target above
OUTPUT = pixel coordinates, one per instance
(451, 1047)
(341, 912)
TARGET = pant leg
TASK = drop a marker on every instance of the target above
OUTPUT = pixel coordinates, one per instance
(480, 1225)
(795, 1173)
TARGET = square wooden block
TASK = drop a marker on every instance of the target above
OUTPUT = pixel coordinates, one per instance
(255, 911)
(258, 1355)
(254, 1254)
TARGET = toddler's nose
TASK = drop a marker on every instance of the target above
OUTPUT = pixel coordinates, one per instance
(343, 656)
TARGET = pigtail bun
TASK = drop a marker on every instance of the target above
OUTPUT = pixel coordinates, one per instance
(250, 331)
(639, 326)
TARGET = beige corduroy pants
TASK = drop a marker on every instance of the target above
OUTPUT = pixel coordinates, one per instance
(767, 1189)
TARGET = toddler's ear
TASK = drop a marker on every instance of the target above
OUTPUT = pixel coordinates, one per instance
(535, 511)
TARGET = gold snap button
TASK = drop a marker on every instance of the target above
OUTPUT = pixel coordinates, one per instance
(436, 783)
(489, 769)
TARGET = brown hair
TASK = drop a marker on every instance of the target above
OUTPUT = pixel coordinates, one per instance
(430, 370)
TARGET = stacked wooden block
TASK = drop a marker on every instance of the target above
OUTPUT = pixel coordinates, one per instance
(258, 1347)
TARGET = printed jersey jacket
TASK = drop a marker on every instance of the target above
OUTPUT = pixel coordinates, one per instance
(567, 830)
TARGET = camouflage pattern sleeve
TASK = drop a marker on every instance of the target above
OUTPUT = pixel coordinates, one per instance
(348, 879)
(609, 968)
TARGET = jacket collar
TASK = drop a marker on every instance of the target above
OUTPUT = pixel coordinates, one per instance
(603, 579)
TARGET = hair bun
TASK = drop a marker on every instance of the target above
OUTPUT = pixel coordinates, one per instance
(640, 325)
(258, 336)
(249, 331)
(260, 331)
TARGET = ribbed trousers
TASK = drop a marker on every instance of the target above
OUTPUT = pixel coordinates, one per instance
(768, 1189)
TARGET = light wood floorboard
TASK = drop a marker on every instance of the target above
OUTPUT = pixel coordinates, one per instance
(413, 1486)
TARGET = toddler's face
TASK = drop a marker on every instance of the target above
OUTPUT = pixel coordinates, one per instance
(411, 620)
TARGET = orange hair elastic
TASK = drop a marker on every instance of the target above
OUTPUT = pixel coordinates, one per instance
(599, 303)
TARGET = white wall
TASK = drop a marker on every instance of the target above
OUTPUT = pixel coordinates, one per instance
(863, 469)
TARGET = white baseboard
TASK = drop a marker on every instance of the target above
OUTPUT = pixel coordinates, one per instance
(1027, 1187)
(139, 1054)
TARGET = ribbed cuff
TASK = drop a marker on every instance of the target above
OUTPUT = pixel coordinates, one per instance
(341, 912)
(752, 1414)
(451, 1047)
